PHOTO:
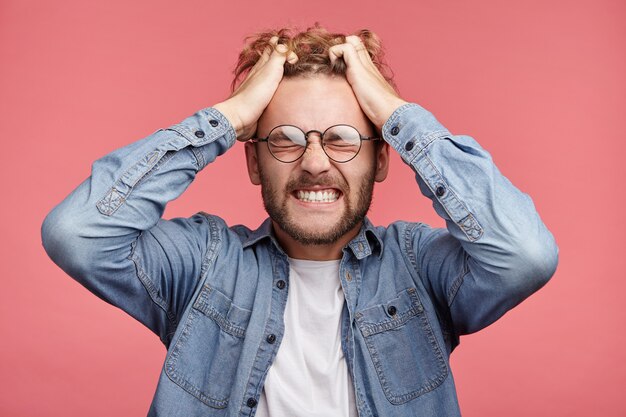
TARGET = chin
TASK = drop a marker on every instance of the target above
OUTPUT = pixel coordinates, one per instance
(317, 231)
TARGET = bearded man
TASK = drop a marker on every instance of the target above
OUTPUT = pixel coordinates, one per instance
(317, 312)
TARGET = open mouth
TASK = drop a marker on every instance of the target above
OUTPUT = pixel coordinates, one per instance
(328, 195)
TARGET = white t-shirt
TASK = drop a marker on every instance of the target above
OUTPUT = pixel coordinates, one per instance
(309, 376)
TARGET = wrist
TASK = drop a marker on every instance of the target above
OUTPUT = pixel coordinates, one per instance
(226, 109)
(390, 109)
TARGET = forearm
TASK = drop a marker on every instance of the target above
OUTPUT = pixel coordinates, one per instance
(129, 188)
(91, 232)
(508, 251)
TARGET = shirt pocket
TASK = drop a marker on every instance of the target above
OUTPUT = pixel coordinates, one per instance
(403, 348)
(204, 359)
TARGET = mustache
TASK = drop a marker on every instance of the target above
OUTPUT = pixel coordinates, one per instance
(307, 181)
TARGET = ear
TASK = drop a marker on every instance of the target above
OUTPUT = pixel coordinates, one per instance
(382, 162)
(252, 161)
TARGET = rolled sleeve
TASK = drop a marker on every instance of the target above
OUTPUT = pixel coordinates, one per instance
(108, 233)
(495, 250)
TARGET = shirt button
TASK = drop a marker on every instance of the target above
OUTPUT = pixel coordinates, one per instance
(348, 276)
(271, 338)
(395, 130)
(199, 133)
(251, 402)
(214, 122)
(392, 310)
(409, 145)
(280, 284)
(440, 190)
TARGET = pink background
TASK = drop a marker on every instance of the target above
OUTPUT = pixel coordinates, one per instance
(539, 84)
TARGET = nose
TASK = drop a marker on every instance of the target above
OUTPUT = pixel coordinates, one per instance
(315, 161)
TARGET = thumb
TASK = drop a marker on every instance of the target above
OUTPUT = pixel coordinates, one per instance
(279, 55)
(345, 51)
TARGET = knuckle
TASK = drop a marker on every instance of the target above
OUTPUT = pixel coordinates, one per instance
(293, 58)
(335, 48)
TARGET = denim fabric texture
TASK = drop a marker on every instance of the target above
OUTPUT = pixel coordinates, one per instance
(213, 293)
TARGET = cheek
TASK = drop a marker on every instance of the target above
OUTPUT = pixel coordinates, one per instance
(362, 181)
(362, 169)
(272, 175)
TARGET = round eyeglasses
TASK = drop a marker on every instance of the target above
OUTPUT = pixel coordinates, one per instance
(287, 143)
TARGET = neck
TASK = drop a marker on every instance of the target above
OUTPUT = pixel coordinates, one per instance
(326, 252)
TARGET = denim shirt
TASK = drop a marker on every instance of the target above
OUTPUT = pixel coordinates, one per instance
(214, 294)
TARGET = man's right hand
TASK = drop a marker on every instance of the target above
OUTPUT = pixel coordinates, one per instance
(245, 106)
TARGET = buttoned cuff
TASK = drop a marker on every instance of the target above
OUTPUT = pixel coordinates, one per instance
(205, 126)
(410, 129)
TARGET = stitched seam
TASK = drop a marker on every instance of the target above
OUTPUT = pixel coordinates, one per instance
(214, 244)
(149, 285)
(425, 142)
(109, 211)
(456, 285)
(456, 197)
(170, 369)
(199, 158)
(446, 326)
(449, 190)
(202, 305)
(408, 242)
(429, 385)
(166, 157)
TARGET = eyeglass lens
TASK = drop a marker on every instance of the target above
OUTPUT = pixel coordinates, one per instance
(341, 143)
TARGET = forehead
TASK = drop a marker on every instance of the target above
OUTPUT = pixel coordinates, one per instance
(315, 102)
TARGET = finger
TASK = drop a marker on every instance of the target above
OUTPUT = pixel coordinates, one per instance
(345, 51)
(362, 52)
(365, 57)
(275, 54)
(292, 58)
(357, 43)
(265, 56)
(279, 56)
(355, 65)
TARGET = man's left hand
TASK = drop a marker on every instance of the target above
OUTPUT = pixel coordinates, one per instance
(375, 95)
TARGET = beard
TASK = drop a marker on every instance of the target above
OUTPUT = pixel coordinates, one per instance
(353, 215)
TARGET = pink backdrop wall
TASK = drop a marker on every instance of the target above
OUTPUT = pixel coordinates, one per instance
(539, 84)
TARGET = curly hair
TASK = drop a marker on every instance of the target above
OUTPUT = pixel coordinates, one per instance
(311, 46)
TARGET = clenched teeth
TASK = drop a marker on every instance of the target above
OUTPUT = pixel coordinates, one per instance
(325, 196)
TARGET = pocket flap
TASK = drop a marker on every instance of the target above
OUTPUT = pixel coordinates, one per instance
(219, 307)
(380, 318)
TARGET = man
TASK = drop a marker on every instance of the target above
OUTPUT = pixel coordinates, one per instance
(317, 312)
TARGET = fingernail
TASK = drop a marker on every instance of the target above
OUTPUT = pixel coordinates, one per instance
(281, 48)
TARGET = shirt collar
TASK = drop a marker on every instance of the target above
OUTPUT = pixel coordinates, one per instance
(262, 232)
(364, 243)
(367, 241)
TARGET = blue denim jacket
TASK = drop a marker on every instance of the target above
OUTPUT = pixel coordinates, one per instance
(213, 293)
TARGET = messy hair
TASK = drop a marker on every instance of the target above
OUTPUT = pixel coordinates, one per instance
(311, 46)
